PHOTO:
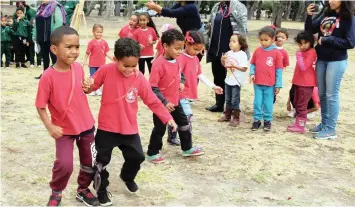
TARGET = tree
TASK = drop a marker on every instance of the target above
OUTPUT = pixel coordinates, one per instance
(287, 10)
(258, 11)
(102, 8)
(251, 5)
(89, 6)
(129, 8)
(118, 8)
(279, 8)
(110, 8)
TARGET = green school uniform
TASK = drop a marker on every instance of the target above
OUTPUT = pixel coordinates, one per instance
(21, 28)
(29, 14)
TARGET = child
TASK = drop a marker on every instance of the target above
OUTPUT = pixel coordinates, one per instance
(236, 63)
(266, 74)
(5, 42)
(118, 125)
(10, 23)
(146, 36)
(166, 82)
(159, 47)
(130, 28)
(71, 120)
(312, 106)
(304, 79)
(97, 52)
(191, 68)
(20, 38)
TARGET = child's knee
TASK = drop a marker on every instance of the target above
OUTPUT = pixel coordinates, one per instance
(65, 166)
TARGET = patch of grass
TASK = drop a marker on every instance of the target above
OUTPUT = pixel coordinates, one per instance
(262, 177)
(348, 191)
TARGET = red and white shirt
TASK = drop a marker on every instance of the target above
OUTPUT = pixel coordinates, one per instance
(285, 57)
(191, 68)
(97, 50)
(160, 48)
(143, 36)
(127, 31)
(305, 73)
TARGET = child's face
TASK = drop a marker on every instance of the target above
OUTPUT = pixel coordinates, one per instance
(303, 46)
(194, 49)
(10, 21)
(266, 40)
(174, 50)
(133, 21)
(19, 14)
(143, 21)
(281, 38)
(3, 21)
(98, 33)
(67, 51)
(234, 43)
(127, 65)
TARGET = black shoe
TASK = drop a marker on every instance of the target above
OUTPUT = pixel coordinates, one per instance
(256, 125)
(7, 65)
(215, 108)
(267, 126)
(104, 198)
(55, 199)
(18, 65)
(23, 65)
(39, 77)
(131, 185)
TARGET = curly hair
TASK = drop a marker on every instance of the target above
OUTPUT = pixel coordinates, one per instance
(305, 35)
(126, 47)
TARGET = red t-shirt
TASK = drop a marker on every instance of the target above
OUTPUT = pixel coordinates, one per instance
(119, 102)
(191, 68)
(97, 50)
(166, 75)
(143, 36)
(308, 76)
(54, 89)
(159, 48)
(266, 63)
(285, 58)
(127, 31)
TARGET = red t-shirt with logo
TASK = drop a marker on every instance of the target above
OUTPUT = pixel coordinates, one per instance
(166, 75)
(143, 36)
(191, 68)
(266, 63)
(308, 76)
(127, 31)
(54, 90)
(97, 50)
(119, 101)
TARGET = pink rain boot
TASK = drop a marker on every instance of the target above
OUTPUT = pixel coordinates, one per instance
(299, 126)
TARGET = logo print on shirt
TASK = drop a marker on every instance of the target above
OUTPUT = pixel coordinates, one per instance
(131, 95)
(270, 61)
(150, 38)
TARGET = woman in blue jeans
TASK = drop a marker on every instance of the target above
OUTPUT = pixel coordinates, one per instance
(336, 34)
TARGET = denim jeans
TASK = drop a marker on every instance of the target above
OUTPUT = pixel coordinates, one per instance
(232, 97)
(186, 106)
(93, 70)
(329, 76)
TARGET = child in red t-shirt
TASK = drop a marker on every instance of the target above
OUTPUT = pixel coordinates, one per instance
(266, 74)
(118, 125)
(146, 36)
(97, 52)
(304, 79)
(130, 28)
(159, 46)
(167, 81)
(71, 119)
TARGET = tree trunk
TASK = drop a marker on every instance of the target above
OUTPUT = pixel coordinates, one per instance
(101, 9)
(199, 2)
(118, 8)
(110, 8)
(166, 3)
(129, 7)
(251, 5)
(301, 11)
(279, 8)
(258, 11)
(287, 10)
(89, 6)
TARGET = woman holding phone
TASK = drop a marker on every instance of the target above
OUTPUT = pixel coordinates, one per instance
(336, 35)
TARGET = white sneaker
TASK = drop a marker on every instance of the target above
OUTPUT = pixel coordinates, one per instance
(311, 115)
(292, 113)
(32, 66)
(98, 92)
(92, 93)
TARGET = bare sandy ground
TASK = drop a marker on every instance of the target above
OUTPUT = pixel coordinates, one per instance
(240, 167)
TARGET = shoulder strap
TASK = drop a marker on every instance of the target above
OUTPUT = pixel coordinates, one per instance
(72, 68)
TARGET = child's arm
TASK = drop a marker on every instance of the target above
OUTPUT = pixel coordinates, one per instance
(305, 62)
(110, 57)
(93, 83)
(209, 84)
(87, 55)
(55, 131)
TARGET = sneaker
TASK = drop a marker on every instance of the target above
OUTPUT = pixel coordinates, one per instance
(104, 198)
(194, 151)
(39, 66)
(316, 129)
(132, 187)
(23, 65)
(92, 93)
(55, 199)
(256, 125)
(17, 65)
(267, 126)
(85, 196)
(98, 92)
(292, 113)
(156, 159)
(32, 66)
(325, 134)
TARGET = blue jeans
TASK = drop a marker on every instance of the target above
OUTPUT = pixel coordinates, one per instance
(185, 103)
(329, 76)
(232, 97)
(263, 102)
(93, 70)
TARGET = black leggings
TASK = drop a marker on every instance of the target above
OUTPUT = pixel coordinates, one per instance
(142, 62)
(20, 49)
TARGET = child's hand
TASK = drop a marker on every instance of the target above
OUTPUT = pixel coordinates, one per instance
(181, 88)
(55, 131)
(288, 106)
(277, 91)
(320, 41)
(252, 78)
(218, 90)
(28, 44)
(87, 83)
(173, 125)
(170, 107)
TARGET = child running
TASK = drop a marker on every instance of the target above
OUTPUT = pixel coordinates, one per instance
(236, 63)
(159, 47)
(118, 125)
(146, 36)
(71, 119)
(130, 28)
(304, 79)
(191, 68)
(166, 82)
(5, 42)
(266, 74)
(20, 37)
(97, 52)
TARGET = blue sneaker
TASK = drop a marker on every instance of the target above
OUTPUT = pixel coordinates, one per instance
(316, 129)
(325, 134)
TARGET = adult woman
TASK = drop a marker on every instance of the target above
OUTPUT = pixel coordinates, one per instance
(227, 18)
(336, 34)
(50, 15)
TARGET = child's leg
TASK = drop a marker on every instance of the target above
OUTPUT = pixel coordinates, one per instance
(149, 63)
(258, 101)
(63, 166)
(31, 52)
(156, 138)
(235, 98)
(183, 128)
(268, 103)
(86, 170)
(7, 54)
(292, 95)
(228, 96)
(185, 104)
(92, 71)
(39, 59)
(2, 52)
(302, 97)
(141, 64)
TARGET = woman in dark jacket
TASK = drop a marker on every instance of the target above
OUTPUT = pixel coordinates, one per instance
(336, 34)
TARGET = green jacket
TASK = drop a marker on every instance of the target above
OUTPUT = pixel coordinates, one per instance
(5, 34)
(56, 21)
(69, 7)
(29, 13)
(21, 29)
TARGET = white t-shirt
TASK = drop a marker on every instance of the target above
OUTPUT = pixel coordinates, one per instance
(237, 59)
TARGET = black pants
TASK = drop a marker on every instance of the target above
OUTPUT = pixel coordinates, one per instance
(219, 74)
(20, 49)
(31, 54)
(142, 62)
(5, 50)
(45, 53)
(132, 151)
(156, 138)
